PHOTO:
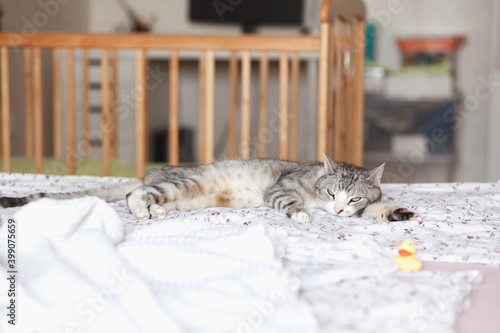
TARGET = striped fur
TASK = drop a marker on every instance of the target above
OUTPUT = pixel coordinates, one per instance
(289, 187)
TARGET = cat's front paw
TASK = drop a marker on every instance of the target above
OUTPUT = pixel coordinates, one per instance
(383, 212)
(400, 214)
(301, 217)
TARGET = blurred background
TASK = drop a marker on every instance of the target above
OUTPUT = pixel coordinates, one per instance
(432, 79)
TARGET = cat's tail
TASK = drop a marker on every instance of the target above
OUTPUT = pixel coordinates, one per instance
(109, 193)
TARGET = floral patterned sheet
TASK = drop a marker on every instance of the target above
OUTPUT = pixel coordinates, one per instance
(344, 264)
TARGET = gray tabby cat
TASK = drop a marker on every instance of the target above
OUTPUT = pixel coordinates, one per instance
(290, 187)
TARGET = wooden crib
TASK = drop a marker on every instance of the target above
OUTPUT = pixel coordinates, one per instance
(339, 48)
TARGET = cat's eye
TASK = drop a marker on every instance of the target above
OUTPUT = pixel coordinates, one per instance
(356, 199)
(330, 193)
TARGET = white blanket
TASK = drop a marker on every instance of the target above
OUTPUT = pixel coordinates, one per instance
(252, 270)
(76, 272)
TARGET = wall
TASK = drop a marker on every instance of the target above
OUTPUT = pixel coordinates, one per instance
(494, 114)
(39, 15)
(28, 17)
(169, 17)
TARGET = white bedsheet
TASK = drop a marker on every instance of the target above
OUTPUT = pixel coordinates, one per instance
(336, 272)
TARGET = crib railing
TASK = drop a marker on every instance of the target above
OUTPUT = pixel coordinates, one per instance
(340, 48)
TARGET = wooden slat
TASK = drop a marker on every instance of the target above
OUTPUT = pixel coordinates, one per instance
(71, 147)
(146, 107)
(141, 127)
(37, 108)
(88, 39)
(349, 95)
(294, 107)
(264, 78)
(233, 92)
(57, 103)
(173, 123)
(323, 91)
(330, 84)
(114, 103)
(5, 110)
(331, 9)
(209, 105)
(358, 111)
(340, 94)
(283, 113)
(304, 43)
(28, 100)
(1, 124)
(245, 105)
(201, 127)
(106, 114)
(86, 104)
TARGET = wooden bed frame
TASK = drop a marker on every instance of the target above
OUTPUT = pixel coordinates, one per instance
(340, 48)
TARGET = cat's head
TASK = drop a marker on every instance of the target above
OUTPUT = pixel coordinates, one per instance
(346, 189)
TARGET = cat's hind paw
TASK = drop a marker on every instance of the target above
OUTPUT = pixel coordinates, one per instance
(141, 214)
(157, 211)
(301, 217)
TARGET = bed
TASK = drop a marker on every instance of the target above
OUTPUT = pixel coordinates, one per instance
(253, 270)
(90, 267)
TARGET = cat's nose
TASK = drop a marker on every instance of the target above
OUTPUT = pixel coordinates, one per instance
(339, 211)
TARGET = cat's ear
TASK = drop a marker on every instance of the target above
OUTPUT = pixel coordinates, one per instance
(330, 165)
(376, 175)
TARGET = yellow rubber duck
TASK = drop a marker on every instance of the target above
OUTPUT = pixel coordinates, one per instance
(406, 260)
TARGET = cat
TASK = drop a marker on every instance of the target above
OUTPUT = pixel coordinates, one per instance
(290, 187)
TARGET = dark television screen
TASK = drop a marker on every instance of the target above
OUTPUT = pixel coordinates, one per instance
(247, 12)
